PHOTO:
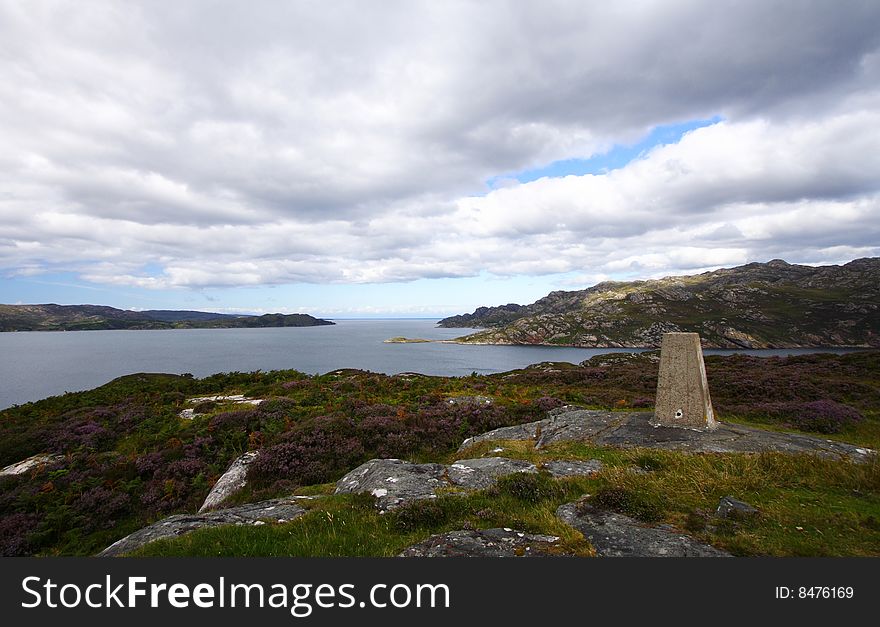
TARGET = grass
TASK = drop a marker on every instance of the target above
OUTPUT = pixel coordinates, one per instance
(350, 526)
(808, 507)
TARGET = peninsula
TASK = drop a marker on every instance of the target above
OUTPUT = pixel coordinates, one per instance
(53, 317)
(758, 305)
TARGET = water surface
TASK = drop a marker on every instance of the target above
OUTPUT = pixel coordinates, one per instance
(40, 364)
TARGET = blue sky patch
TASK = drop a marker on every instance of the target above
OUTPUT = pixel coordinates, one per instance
(614, 159)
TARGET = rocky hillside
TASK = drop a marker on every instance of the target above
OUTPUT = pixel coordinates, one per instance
(91, 317)
(758, 305)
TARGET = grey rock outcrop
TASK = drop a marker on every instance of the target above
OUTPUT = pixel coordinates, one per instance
(617, 535)
(572, 468)
(483, 472)
(525, 431)
(394, 482)
(233, 480)
(758, 305)
(33, 462)
(486, 543)
(633, 429)
(275, 511)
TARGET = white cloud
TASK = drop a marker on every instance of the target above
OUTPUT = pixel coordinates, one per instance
(234, 145)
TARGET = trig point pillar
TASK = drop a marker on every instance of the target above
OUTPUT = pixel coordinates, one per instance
(682, 391)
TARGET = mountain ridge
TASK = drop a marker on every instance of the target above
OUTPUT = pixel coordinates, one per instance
(758, 305)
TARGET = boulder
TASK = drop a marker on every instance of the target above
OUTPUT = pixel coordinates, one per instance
(617, 535)
(233, 480)
(486, 543)
(729, 507)
(394, 482)
(483, 472)
(274, 511)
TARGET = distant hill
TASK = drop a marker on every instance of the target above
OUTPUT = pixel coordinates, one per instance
(758, 305)
(96, 317)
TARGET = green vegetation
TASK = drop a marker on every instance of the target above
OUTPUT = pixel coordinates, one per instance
(809, 507)
(130, 459)
(97, 317)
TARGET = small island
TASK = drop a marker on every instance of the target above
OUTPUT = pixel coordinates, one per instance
(53, 317)
(407, 340)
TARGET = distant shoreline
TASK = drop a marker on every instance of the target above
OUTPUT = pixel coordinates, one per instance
(52, 317)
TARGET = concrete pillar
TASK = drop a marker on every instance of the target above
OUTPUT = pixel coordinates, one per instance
(682, 391)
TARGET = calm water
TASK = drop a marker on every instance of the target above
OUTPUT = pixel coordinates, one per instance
(37, 365)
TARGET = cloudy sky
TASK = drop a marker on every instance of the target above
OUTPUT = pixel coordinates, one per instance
(375, 158)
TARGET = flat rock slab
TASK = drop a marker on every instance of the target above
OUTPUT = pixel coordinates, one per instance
(275, 511)
(572, 468)
(633, 429)
(31, 463)
(616, 535)
(394, 482)
(486, 543)
(483, 472)
(525, 431)
(233, 480)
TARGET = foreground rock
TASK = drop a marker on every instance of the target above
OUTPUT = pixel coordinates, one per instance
(233, 480)
(395, 482)
(274, 511)
(632, 429)
(616, 535)
(486, 543)
(483, 472)
(729, 507)
(31, 463)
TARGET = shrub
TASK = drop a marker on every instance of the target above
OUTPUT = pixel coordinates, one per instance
(101, 507)
(205, 407)
(420, 514)
(825, 416)
(386, 436)
(822, 416)
(315, 452)
(15, 530)
(531, 487)
(79, 433)
(546, 403)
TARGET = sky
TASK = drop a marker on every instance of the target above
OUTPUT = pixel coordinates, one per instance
(420, 159)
